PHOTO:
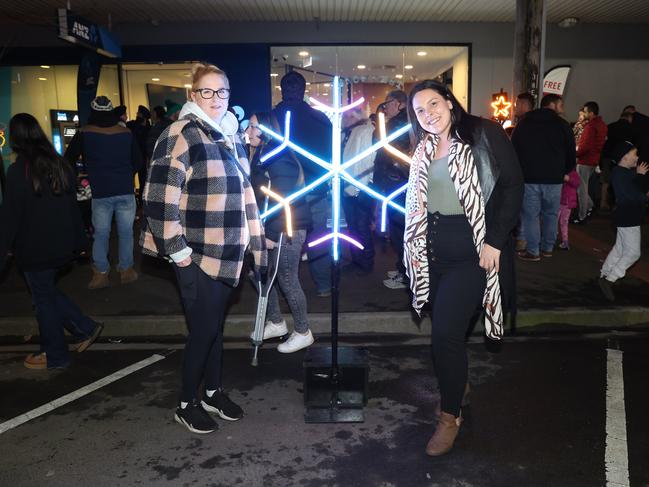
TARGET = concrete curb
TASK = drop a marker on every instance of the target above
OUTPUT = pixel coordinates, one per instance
(350, 324)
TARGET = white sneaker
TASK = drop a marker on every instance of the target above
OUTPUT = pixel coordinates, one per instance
(398, 282)
(273, 330)
(295, 342)
(392, 274)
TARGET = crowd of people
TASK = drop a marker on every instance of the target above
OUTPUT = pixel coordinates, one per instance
(561, 164)
(475, 199)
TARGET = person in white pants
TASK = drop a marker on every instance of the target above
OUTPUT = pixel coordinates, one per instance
(630, 185)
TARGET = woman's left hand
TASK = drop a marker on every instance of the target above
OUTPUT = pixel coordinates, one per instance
(490, 258)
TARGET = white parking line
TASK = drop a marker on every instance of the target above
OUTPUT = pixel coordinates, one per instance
(617, 455)
(73, 396)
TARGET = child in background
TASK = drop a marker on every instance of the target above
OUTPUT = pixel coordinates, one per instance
(568, 202)
(630, 188)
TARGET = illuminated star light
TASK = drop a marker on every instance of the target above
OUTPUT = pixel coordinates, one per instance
(501, 107)
(335, 169)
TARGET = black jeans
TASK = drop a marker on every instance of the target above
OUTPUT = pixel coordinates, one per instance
(457, 285)
(204, 300)
(359, 211)
(54, 312)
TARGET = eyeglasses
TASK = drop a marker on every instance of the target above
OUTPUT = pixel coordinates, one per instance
(208, 93)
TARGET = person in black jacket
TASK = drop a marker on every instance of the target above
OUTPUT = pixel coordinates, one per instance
(618, 131)
(630, 186)
(284, 176)
(41, 221)
(160, 123)
(140, 128)
(463, 201)
(547, 154)
(310, 129)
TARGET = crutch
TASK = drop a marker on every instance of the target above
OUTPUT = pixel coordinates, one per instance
(262, 303)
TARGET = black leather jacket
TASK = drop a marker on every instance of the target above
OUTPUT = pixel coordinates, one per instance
(501, 180)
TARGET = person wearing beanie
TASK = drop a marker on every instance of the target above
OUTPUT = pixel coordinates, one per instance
(630, 187)
(310, 129)
(112, 157)
(173, 110)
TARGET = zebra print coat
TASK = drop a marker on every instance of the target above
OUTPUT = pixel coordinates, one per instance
(489, 185)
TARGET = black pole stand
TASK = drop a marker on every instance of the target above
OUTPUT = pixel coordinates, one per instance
(335, 378)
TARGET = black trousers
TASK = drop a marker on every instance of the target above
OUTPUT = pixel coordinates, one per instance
(457, 285)
(204, 300)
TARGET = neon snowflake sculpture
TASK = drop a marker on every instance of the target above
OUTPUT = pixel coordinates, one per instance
(335, 170)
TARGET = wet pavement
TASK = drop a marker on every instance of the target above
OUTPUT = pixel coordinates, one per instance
(537, 418)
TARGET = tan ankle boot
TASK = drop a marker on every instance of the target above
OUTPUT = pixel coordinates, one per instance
(128, 275)
(465, 401)
(99, 279)
(442, 440)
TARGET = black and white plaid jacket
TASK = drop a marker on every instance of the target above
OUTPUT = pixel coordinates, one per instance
(198, 194)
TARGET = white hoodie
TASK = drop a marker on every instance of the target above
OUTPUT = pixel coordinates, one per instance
(228, 127)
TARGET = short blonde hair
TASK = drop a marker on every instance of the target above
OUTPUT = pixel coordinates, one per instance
(201, 69)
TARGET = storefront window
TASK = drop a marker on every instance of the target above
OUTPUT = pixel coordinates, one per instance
(371, 71)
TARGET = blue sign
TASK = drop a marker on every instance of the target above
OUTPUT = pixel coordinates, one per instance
(78, 30)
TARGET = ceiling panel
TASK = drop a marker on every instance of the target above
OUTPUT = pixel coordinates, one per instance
(43, 12)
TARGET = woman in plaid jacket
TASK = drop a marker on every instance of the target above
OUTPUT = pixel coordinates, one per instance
(200, 212)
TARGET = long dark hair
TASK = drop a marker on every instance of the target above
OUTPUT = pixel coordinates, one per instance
(462, 124)
(45, 166)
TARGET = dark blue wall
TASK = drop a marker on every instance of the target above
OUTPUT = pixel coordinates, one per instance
(247, 65)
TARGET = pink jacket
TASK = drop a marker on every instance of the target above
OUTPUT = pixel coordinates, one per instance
(569, 190)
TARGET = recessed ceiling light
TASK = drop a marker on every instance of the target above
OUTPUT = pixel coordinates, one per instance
(421, 53)
(361, 66)
(42, 79)
(308, 83)
(187, 75)
(303, 53)
(44, 66)
(408, 66)
(274, 75)
(188, 85)
(155, 79)
(325, 94)
(398, 76)
(327, 85)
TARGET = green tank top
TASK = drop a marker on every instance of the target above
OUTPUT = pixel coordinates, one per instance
(442, 197)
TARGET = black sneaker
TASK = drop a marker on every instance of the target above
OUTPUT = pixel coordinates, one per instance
(195, 419)
(222, 405)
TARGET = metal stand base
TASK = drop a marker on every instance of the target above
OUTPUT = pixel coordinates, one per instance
(333, 415)
(335, 392)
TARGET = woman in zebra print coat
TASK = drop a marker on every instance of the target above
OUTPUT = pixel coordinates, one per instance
(463, 200)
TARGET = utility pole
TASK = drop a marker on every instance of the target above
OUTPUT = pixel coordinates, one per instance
(529, 47)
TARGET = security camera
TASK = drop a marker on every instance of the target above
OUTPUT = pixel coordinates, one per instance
(275, 60)
(285, 57)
